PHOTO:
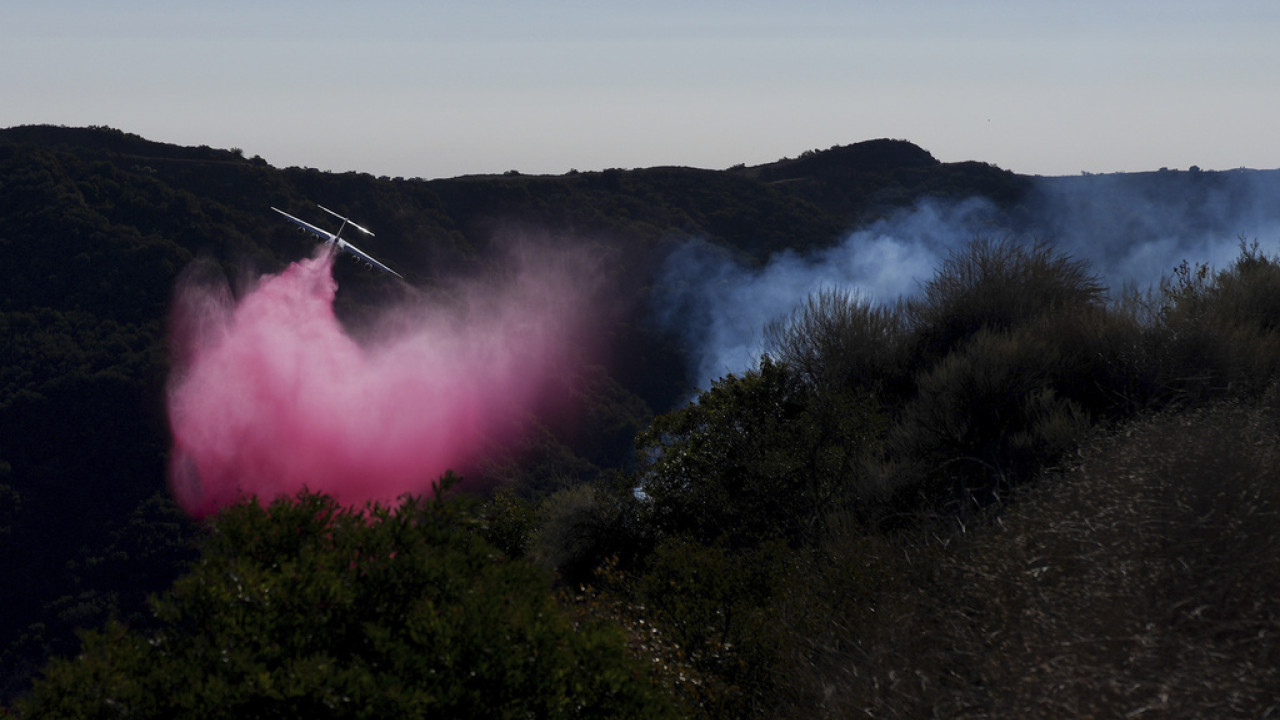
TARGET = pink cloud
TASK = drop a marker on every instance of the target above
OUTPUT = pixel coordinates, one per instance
(270, 394)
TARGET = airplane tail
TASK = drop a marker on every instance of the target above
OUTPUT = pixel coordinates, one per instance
(345, 222)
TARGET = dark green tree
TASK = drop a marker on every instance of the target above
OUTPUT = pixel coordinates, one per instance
(839, 341)
(306, 609)
(755, 457)
(997, 285)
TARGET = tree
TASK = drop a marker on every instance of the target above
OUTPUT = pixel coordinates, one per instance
(839, 340)
(755, 457)
(997, 285)
(307, 609)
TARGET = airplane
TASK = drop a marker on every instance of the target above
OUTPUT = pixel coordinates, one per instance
(335, 240)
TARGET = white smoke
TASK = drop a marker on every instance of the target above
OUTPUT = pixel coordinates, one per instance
(1135, 228)
(1132, 229)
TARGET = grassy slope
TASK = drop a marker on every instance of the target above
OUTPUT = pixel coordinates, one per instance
(1141, 582)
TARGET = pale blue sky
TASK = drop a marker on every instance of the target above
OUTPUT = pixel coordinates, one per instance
(438, 89)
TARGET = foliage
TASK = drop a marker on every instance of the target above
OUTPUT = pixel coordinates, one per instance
(807, 541)
(1221, 329)
(509, 521)
(305, 609)
(987, 417)
(588, 527)
(885, 616)
(754, 458)
(715, 605)
(1140, 582)
(838, 340)
(1014, 357)
(996, 285)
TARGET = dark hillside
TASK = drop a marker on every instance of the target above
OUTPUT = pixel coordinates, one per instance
(860, 182)
(643, 207)
(1018, 492)
(97, 224)
(1204, 201)
(110, 141)
(870, 157)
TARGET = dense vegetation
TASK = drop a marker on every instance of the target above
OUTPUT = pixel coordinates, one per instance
(305, 609)
(96, 225)
(1018, 494)
(1011, 497)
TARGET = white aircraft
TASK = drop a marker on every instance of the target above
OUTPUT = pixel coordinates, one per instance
(335, 240)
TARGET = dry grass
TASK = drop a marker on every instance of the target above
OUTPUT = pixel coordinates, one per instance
(1141, 581)
(1145, 582)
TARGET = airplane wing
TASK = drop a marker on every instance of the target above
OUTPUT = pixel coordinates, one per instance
(323, 235)
(364, 257)
(334, 239)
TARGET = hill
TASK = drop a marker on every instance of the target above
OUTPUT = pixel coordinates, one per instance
(97, 225)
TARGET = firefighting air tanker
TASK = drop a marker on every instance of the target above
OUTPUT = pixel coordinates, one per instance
(334, 239)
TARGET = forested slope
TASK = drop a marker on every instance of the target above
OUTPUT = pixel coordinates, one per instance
(1018, 492)
(97, 224)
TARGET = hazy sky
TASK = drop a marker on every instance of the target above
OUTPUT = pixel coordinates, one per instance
(438, 89)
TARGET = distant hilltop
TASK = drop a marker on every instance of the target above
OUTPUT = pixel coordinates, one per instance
(107, 139)
(808, 201)
(870, 156)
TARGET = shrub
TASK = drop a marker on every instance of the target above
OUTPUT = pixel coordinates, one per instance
(756, 457)
(1103, 359)
(996, 285)
(585, 527)
(509, 522)
(1247, 293)
(305, 609)
(985, 418)
(715, 605)
(866, 629)
(1016, 356)
(838, 340)
(1141, 582)
(1221, 331)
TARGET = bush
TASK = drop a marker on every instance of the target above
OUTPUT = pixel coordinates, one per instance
(588, 526)
(305, 609)
(996, 285)
(1104, 359)
(866, 629)
(1141, 582)
(1247, 293)
(1221, 331)
(756, 457)
(509, 522)
(1017, 355)
(715, 604)
(984, 419)
(838, 340)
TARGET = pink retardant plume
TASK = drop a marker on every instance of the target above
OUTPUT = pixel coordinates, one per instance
(270, 395)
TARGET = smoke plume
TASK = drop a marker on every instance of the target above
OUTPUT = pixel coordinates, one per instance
(270, 394)
(1133, 229)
